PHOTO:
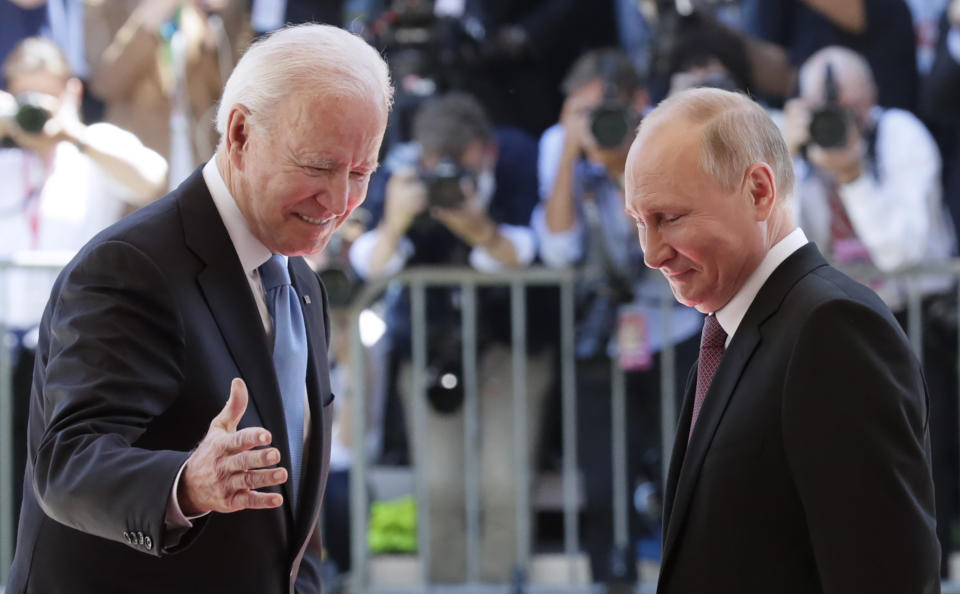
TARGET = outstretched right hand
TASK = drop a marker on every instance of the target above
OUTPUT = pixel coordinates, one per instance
(224, 472)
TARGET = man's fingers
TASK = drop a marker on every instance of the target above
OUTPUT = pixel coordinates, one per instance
(256, 500)
(233, 410)
(252, 459)
(245, 439)
(257, 479)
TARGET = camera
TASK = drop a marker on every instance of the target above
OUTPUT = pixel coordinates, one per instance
(612, 121)
(443, 184)
(26, 110)
(828, 124)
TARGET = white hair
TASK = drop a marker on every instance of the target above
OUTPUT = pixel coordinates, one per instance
(321, 58)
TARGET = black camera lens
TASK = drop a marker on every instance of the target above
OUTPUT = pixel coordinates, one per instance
(31, 115)
(610, 125)
(828, 127)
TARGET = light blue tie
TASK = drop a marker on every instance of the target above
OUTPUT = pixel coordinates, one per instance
(289, 357)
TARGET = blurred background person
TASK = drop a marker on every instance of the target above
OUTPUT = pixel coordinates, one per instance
(869, 191)
(881, 30)
(64, 182)
(159, 66)
(461, 194)
(581, 221)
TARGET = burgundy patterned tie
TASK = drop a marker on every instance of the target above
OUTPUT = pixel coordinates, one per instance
(711, 351)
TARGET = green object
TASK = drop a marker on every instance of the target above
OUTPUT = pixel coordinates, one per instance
(393, 526)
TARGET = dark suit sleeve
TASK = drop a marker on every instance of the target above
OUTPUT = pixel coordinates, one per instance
(111, 367)
(855, 437)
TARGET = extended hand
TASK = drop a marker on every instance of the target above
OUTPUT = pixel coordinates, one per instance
(223, 473)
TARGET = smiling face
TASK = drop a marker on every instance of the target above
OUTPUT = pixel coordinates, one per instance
(705, 241)
(298, 177)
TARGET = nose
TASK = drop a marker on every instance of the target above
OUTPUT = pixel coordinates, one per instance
(656, 251)
(338, 194)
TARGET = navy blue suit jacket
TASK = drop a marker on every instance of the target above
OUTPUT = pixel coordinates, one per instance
(144, 331)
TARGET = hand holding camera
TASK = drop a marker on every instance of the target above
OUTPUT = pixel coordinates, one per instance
(33, 122)
(405, 199)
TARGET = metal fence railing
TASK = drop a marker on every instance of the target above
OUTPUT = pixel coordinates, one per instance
(418, 281)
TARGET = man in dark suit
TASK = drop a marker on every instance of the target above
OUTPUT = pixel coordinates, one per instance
(801, 462)
(184, 312)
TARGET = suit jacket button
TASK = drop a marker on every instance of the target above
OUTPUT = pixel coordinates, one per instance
(139, 537)
(148, 542)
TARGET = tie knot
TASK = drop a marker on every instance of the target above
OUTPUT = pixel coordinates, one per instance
(713, 336)
(274, 273)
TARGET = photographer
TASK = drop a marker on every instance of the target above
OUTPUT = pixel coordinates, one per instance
(461, 194)
(869, 191)
(581, 221)
(63, 182)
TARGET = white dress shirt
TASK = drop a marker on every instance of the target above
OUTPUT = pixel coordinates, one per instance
(730, 315)
(252, 254)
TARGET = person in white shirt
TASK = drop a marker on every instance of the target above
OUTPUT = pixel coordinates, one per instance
(876, 199)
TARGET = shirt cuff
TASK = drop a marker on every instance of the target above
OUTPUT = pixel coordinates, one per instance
(524, 247)
(176, 524)
(557, 249)
(362, 251)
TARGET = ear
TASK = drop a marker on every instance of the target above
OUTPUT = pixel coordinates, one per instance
(760, 188)
(236, 137)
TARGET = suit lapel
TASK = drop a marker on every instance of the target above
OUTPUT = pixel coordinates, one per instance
(227, 292)
(318, 388)
(688, 457)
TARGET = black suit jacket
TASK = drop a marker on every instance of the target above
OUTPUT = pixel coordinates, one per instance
(809, 468)
(144, 331)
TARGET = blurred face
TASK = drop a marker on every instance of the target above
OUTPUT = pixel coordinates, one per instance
(705, 241)
(855, 89)
(53, 89)
(299, 177)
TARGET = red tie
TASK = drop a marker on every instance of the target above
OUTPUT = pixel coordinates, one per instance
(711, 351)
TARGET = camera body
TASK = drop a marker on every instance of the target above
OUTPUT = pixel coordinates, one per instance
(444, 184)
(610, 123)
(26, 110)
(828, 126)
(829, 122)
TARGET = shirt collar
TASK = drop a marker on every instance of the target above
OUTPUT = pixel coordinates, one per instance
(250, 250)
(730, 315)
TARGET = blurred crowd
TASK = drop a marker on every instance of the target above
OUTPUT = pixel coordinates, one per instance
(506, 149)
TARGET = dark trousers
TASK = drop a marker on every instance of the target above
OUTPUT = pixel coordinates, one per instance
(644, 457)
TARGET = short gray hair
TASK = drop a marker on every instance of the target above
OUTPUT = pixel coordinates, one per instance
(321, 58)
(736, 133)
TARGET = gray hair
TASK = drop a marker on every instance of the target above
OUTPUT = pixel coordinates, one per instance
(323, 58)
(736, 133)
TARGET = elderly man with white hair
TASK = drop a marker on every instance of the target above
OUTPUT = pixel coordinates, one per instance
(179, 427)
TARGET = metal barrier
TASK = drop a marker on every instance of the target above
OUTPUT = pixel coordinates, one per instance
(418, 280)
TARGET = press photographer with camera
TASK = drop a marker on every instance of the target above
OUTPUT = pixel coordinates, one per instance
(461, 194)
(581, 222)
(869, 191)
(63, 181)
